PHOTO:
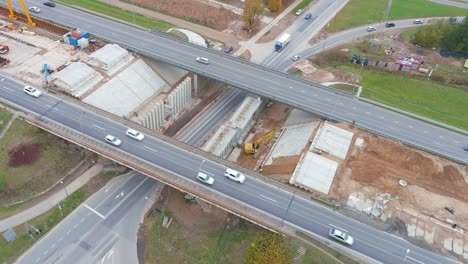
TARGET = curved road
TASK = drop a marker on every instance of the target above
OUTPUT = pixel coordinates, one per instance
(293, 210)
(299, 93)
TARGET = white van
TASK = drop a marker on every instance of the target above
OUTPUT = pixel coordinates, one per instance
(234, 175)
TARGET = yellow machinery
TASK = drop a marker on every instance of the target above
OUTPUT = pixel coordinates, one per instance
(23, 5)
(252, 148)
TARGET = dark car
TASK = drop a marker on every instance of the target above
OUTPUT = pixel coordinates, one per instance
(308, 16)
(389, 24)
(228, 49)
(49, 4)
(466, 147)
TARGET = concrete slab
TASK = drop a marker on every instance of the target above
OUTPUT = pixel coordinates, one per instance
(359, 142)
(76, 79)
(458, 246)
(420, 230)
(429, 234)
(292, 141)
(315, 172)
(333, 140)
(127, 90)
(411, 228)
(297, 117)
(448, 244)
(192, 36)
(220, 141)
(170, 73)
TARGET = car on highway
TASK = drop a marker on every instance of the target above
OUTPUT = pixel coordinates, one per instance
(418, 21)
(341, 236)
(134, 134)
(202, 177)
(296, 57)
(203, 60)
(34, 9)
(466, 147)
(49, 4)
(389, 25)
(113, 140)
(308, 16)
(370, 29)
(32, 91)
(299, 12)
(234, 175)
(228, 49)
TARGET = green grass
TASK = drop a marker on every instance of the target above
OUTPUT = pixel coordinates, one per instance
(55, 160)
(119, 13)
(361, 12)
(4, 119)
(352, 89)
(9, 251)
(441, 103)
(302, 5)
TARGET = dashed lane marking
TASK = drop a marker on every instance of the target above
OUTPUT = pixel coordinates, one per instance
(94, 211)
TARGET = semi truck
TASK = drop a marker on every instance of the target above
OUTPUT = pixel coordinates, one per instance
(282, 42)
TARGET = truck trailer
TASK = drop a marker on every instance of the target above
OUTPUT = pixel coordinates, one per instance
(282, 42)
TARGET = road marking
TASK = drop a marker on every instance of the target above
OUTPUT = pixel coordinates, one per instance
(303, 91)
(75, 226)
(94, 211)
(368, 113)
(89, 213)
(60, 239)
(48, 105)
(55, 109)
(146, 147)
(410, 126)
(339, 228)
(37, 260)
(315, 95)
(129, 194)
(68, 232)
(425, 132)
(328, 99)
(441, 136)
(53, 245)
(381, 117)
(340, 103)
(354, 108)
(82, 219)
(456, 142)
(268, 198)
(98, 127)
(9, 89)
(45, 253)
(396, 122)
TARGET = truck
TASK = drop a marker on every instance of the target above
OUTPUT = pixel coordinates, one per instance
(282, 42)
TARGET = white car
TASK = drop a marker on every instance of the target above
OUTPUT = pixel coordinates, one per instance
(203, 60)
(370, 29)
(234, 175)
(299, 12)
(113, 140)
(34, 9)
(418, 21)
(202, 177)
(32, 91)
(296, 57)
(134, 134)
(341, 236)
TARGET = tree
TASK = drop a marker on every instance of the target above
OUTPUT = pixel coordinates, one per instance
(275, 5)
(431, 36)
(253, 9)
(268, 248)
(456, 40)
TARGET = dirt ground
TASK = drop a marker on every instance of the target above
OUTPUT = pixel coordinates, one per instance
(198, 11)
(310, 72)
(278, 29)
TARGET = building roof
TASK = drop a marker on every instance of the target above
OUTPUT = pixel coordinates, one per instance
(109, 54)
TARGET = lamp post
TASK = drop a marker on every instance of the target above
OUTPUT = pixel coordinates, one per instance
(201, 164)
(64, 188)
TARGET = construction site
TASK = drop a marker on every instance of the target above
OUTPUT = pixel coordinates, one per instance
(403, 190)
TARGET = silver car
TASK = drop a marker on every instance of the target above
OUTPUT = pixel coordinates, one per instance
(202, 177)
(134, 134)
(234, 175)
(34, 9)
(203, 60)
(32, 91)
(341, 236)
(113, 140)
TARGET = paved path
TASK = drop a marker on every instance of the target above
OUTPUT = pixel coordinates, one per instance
(50, 202)
(205, 31)
(7, 126)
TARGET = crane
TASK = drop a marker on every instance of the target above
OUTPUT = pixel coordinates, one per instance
(252, 148)
(23, 5)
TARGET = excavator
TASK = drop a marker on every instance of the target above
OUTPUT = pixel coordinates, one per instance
(25, 10)
(252, 148)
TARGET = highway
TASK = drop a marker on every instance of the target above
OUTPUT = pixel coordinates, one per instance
(102, 230)
(266, 82)
(292, 209)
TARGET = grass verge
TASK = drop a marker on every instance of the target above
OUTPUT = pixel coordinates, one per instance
(9, 251)
(352, 89)
(302, 5)
(119, 13)
(361, 12)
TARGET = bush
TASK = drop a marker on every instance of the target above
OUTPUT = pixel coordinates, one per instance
(268, 248)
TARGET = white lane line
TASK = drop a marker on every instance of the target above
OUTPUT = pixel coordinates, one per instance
(368, 113)
(89, 213)
(354, 108)
(60, 239)
(53, 245)
(410, 126)
(441, 136)
(381, 117)
(146, 147)
(82, 219)
(45, 253)
(456, 142)
(37, 260)
(8, 89)
(94, 211)
(268, 198)
(98, 127)
(68, 232)
(340, 103)
(75, 226)
(315, 95)
(339, 228)
(328, 99)
(425, 132)
(48, 105)
(129, 194)
(396, 122)
(55, 109)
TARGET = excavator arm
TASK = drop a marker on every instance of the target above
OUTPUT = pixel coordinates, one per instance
(25, 10)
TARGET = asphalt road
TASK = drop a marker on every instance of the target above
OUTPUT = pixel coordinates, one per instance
(276, 202)
(299, 93)
(102, 230)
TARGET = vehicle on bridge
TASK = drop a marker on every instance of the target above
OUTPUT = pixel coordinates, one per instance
(134, 134)
(341, 236)
(282, 41)
(202, 177)
(203, 60)
(32, 91)
(234, 175)
(113, 140)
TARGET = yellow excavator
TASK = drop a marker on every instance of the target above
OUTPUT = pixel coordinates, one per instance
(252, 148)
(25, 10)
